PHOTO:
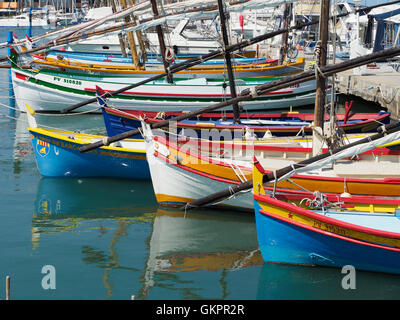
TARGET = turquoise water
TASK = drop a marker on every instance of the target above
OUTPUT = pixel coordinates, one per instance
(109, 239)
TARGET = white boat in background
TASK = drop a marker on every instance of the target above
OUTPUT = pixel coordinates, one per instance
(22, 20)
(187, 37)
(41, 17)
(378, 30)
(97, 13)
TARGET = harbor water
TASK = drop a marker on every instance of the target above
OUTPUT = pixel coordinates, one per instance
(109, 239)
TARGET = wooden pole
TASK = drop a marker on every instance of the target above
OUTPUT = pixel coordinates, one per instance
(320, 94)
(332, 140)
(285, 36)
(139, 36)
(161, 42)
(121, 41)
(131, 39)
(321, 62)
(227, 55)
(8, 288)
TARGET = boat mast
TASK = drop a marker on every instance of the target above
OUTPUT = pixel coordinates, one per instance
(161, 42)
(121, 40)
(333, 140)
(285, 36)
(320, 94)
(131, 39)
(227, 56)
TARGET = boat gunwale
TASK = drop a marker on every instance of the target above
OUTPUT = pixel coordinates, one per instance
(57, 135)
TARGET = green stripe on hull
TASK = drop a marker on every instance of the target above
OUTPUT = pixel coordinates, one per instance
(131, 97)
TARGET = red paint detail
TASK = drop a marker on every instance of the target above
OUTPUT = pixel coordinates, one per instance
(21, 76)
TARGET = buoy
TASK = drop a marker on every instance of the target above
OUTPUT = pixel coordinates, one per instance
(345, 195)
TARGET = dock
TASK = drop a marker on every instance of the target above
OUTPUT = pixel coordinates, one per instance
(377, 85)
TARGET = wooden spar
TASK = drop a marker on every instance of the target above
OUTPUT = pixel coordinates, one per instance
(63, 40)
(285, 36)
(141, 42)
(227, 56)
(248, 94)
(120, 39)
(332, 140)
(131, 39)
(320, 93)
(271, 176)
(321, 62)
(161, 43)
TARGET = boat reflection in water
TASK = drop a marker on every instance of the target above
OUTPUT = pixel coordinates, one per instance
(114, 229)
(184, 246)
(296, 282)
(92, 197)
(93, 225)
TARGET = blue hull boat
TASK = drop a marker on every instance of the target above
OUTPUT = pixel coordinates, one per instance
(57, 155)
(360, 231)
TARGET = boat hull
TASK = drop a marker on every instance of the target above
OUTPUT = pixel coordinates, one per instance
(181, 174)
(212, 71)
(58, 156)
(283, 242)
(174, 185)
(48, 92)
(119, 121)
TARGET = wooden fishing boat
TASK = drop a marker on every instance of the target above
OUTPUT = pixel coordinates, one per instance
(186, 170)
(278, 124)
(363, 232)
(111, 60)
(209, 71)
(57, 155)
(48, 90)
